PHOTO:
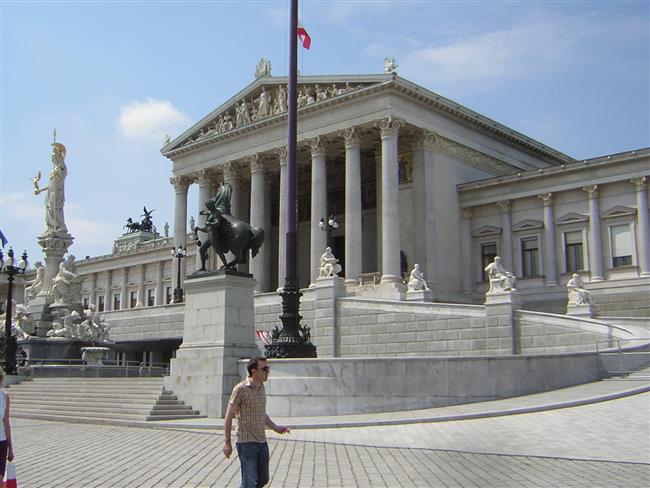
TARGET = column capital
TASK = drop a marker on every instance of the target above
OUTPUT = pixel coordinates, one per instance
(423, 140)
(640, 183)
(256, 164)
(546, 198)
(180, 183)
(505, 206)
(317, 145)
(231, 171)
(466, 212)
(282, 154)
(592, 191)
(202, 177)
(350, 136)
(389, 126)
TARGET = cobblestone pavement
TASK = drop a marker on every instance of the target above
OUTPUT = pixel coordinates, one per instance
(600, 445)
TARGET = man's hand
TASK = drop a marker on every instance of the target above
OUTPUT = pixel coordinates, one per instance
(227, 449)
(282, 429)
(10, 454)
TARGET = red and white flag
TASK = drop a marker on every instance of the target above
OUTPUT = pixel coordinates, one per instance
(303, 36)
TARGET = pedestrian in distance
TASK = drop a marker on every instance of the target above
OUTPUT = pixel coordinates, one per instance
(6, 448)
(248, 403)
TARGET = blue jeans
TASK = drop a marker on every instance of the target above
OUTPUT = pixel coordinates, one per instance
(254, 459)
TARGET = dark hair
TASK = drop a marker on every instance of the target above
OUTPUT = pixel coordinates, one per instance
(252, 364)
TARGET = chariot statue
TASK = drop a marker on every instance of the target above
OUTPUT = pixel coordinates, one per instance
(226, 233)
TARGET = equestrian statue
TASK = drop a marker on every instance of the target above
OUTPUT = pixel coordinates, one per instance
(226, 233)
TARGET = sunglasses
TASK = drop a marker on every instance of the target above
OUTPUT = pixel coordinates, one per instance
(266, 369)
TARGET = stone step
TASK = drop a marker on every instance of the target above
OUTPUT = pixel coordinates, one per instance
(144, 410)
(22, 400)
(81, 396)
(54, 404)
(82, 389)
(101, 421)
(90, 418)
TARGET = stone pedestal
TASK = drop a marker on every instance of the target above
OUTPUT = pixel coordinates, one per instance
(39, 309)
(586, 310)
(94, 356)
(219, 329)
(501, 322)
(419, 296)
(325, 331)
(52, 348)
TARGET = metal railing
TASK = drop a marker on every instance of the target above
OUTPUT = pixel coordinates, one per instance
(624, 357)
(79, 368)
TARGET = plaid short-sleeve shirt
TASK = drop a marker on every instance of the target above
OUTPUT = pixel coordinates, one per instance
(250, 402)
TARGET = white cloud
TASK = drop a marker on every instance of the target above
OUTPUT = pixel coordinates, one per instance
(23, 206)
(151, 120)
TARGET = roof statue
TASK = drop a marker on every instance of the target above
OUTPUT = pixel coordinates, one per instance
(390, 66)
(263, 68)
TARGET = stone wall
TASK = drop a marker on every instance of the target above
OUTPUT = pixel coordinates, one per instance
(621, 298)
(148, 323)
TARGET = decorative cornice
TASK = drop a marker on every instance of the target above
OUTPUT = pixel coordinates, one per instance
(350, 136)
(592, 191)
(546, 198)
(423, 140)
(505, 206)
(471, 157)
(180, 183)
(389, 127)
(640, 183)
(317, 145)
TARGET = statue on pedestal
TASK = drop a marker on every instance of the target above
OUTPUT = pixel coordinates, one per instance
(55, 199)
(417, 281)
(577, 294)
(329, 265)
(501, 280)
(36, 285)
(66, 285)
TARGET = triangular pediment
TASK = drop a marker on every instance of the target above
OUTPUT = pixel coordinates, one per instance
(572, 218)
(487, 230)
(528, 224)
(618, 211)
(265, 101)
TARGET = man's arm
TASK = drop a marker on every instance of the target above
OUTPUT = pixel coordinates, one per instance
(227, 429)
(280, 429)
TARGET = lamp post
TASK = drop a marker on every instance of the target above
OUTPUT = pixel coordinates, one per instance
(10, 269)
(179, 254)
(330, 225)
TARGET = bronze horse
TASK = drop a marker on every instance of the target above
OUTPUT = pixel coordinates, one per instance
(226, 233)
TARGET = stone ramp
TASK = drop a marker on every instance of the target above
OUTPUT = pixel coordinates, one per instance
(97, 400)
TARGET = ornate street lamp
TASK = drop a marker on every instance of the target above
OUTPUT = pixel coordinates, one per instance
(330, 225)
(179, 254)
(9, 267)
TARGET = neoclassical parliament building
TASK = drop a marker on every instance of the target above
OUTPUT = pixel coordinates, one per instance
(410, 177)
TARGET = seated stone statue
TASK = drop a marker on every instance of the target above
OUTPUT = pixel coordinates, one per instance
(36, 285)
(66, 285)
(417, 281)
(500, 279)
(329, 265)
(23, 326)
(577, 294)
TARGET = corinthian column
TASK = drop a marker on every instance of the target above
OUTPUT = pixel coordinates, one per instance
(318, 241)
(282, 225)
(550, 261)
(506, 241)
(390, 238)
(259, 264)
(353, 221)
(641, 186)
(205, 188)
(181, 184)
(595, 244)
(231, 174)
(466, 248)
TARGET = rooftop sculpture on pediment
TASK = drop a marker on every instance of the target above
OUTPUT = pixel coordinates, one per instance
(263, 68)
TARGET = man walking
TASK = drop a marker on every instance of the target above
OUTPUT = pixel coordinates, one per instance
(248, 403)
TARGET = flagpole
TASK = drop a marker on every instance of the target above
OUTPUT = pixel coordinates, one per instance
(293, 341)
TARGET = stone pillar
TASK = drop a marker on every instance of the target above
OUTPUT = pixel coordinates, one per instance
(424, 213)
(326, 335)
(318, 241)
(202, 177)
(218, 330)
(378, 216)
(259, 265)
(181, 184)
(595, 243)
(141, 298)
(231, 174)
(550, 260)
(466, 249)
(353, 211)
(502, 330)
(91, 288)
(390, 236)
(160, 289)
(507, 258)
(643, 244)
(108, 292)
(124, 295)
(282, 224)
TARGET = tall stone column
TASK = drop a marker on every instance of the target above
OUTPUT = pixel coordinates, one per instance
(424, 213)
(231, 174)
(91, 288)
(595, 243)
(160, 289)
(259, 196)
(506, 255)
(466, 249)
(141, 297)
(378, 216)
(108, 293)
(318, 241)
(124, 295)
(550, 260)
(641, 186)
(353, 212)
(390, 236)
(181, 184)
(202, 178)
(282, 224)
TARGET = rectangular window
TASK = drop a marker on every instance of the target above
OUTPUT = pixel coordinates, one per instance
(133, 299)
(168, 294)
(151, 297)
(529, 255)
(621, 245)
(573, 251)
(85, 303)
(100, 303)
(116, 301)
(488, 253)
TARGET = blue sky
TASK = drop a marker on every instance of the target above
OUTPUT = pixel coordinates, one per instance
(115, 77)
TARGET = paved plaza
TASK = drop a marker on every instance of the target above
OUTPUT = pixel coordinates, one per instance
(603, 444)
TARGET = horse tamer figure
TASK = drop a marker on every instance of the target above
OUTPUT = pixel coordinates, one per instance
(226, 233)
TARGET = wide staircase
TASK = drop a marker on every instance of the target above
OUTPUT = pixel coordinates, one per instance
(97, 400)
